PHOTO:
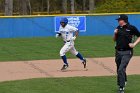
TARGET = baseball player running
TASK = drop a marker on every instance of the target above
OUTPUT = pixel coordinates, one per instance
(68, 34)
(123, 35)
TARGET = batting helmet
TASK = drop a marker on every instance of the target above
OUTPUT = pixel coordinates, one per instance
(64, 20)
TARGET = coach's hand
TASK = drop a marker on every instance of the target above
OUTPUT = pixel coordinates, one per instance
(132, 45)
(115, 34)
(115, 31)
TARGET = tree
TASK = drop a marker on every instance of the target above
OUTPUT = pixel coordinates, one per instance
(64, 6)
(72, 6)
(25, 7)
(117, 6)
(84, 5)
(29, 5)
(8, 7)
(48, 6)
(91, 5)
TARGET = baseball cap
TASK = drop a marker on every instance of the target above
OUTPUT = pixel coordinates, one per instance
(122, 17)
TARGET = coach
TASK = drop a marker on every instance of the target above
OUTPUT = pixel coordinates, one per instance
(123, 36)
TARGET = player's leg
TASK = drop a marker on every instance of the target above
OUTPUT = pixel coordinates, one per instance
(78, 55)
(63, 51)
(121, 71)
(125, 78)
(118, 58)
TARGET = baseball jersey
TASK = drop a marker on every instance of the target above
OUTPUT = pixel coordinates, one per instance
(125, 35)
(67, 32)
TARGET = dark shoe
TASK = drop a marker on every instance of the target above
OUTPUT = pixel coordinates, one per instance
(64, 67)
(121, 90)
(84, 63)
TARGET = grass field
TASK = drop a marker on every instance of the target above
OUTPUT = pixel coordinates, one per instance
(69, 85)
(48, 48)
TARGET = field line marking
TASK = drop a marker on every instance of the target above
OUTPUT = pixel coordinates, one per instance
(31, 64)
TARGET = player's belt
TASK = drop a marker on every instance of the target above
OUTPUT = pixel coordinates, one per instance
(123, 49)
(66, 41)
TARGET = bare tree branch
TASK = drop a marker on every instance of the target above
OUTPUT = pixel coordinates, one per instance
(8, 7)
(91, 5)
(72, 6)
(64, 6)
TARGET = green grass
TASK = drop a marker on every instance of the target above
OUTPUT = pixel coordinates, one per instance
(48, 48)
(69, 85)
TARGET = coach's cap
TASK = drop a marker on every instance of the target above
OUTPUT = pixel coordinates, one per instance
(122, 17)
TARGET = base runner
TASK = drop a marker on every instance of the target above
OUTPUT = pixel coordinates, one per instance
(68, 34)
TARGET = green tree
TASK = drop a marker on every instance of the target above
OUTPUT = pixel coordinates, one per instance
(111, 6)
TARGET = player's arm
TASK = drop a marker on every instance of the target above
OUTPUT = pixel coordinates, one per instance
(76, 33)
(132, 45)
(115, 34)
(58, 34)
(137, 33)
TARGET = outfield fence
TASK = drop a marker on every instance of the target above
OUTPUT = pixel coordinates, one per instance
(46, 25)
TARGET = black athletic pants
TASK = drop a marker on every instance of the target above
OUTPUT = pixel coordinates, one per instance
(122, 59)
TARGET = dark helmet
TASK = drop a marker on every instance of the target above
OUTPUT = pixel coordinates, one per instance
(64, 20)
(123, 17)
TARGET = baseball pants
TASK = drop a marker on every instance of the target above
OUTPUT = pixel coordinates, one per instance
(122, 59)
(68, 46)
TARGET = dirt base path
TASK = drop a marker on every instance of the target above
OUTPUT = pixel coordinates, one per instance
(51, 68)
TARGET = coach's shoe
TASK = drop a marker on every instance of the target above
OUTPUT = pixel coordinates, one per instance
(64, 67)
(125, 83)
(84, 63)
(121, 90)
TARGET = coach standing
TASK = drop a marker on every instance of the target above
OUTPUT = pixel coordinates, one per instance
(123, 36)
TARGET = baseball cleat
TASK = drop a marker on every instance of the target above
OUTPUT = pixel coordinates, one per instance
(121, 90)
(64, 67)
(84, 63)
